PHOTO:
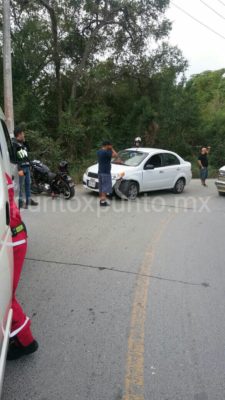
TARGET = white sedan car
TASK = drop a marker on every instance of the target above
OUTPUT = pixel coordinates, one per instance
(142, 170)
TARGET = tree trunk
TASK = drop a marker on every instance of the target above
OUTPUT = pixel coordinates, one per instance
(151, 133)
(79, 70)
(56, 56)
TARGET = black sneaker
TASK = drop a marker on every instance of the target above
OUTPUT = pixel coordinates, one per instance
(16, 350)
(21, 204)
(104, 204)
(33, 202)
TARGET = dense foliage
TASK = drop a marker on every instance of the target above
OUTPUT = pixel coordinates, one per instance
(88, 70)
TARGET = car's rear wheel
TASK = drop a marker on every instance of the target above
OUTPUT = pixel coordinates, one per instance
(179, 186)
(221, 193)
(130, 189)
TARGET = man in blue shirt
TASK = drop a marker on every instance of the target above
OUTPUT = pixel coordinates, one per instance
(105, 155)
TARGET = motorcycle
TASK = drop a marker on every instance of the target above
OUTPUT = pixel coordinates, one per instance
(45, 181)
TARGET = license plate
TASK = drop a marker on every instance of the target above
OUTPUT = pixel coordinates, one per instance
(92, 183)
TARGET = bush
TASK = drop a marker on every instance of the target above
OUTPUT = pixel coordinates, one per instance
(44, 148)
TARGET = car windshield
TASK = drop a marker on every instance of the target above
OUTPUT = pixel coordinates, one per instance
(131, 158)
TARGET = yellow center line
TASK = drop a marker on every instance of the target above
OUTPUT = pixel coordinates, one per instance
(134, 378)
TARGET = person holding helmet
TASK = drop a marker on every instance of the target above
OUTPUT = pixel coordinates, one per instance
(137, 142)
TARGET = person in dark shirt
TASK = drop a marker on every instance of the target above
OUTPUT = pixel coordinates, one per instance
(21, 152)
(105, 155)
(203, 164)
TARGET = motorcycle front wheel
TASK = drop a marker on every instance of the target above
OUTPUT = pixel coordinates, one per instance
(68, 192)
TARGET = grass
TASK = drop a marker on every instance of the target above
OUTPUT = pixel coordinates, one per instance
(77, 169)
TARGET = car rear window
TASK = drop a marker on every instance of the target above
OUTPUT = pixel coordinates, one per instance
(170, 159)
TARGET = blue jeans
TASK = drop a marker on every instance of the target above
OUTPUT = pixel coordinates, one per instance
(24, 183)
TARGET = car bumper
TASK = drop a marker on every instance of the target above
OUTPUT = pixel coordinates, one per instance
(92, 183)
(188, 178)
(220, 186)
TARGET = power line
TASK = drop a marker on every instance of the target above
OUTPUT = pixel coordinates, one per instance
(212, 9)
(221, 2)
(197, 20)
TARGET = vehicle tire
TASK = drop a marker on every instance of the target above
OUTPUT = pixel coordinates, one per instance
(72, 192)
(68, 192)
(35, 189)
(130, 189)
(179, 186)
(221, 193)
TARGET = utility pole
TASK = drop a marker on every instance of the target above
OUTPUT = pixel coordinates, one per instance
(7, 68)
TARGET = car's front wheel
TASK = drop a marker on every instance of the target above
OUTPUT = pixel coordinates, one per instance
(130, 189)
(179, 186)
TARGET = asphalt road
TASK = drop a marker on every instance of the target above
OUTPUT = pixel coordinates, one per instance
(126, 302)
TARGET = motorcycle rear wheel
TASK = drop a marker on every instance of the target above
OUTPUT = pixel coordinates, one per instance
(35, 189)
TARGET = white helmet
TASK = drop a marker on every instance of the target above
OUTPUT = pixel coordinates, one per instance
(137, 139)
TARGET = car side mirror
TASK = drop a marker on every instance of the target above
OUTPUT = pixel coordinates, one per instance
(149, 166)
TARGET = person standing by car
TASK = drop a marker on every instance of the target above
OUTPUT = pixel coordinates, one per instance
(21, 341)
(203, 164)
(21, 153)
(105, 155)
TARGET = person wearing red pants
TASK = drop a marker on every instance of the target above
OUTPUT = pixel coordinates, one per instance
(22, 341)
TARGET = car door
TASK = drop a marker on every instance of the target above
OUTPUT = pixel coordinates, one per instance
(172, 166)
(6, 270)
(9, 159)
(153, 173)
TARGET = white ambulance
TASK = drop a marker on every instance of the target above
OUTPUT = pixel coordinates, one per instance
(6, 251)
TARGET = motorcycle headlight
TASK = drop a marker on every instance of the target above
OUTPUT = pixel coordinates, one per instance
(118, 176)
